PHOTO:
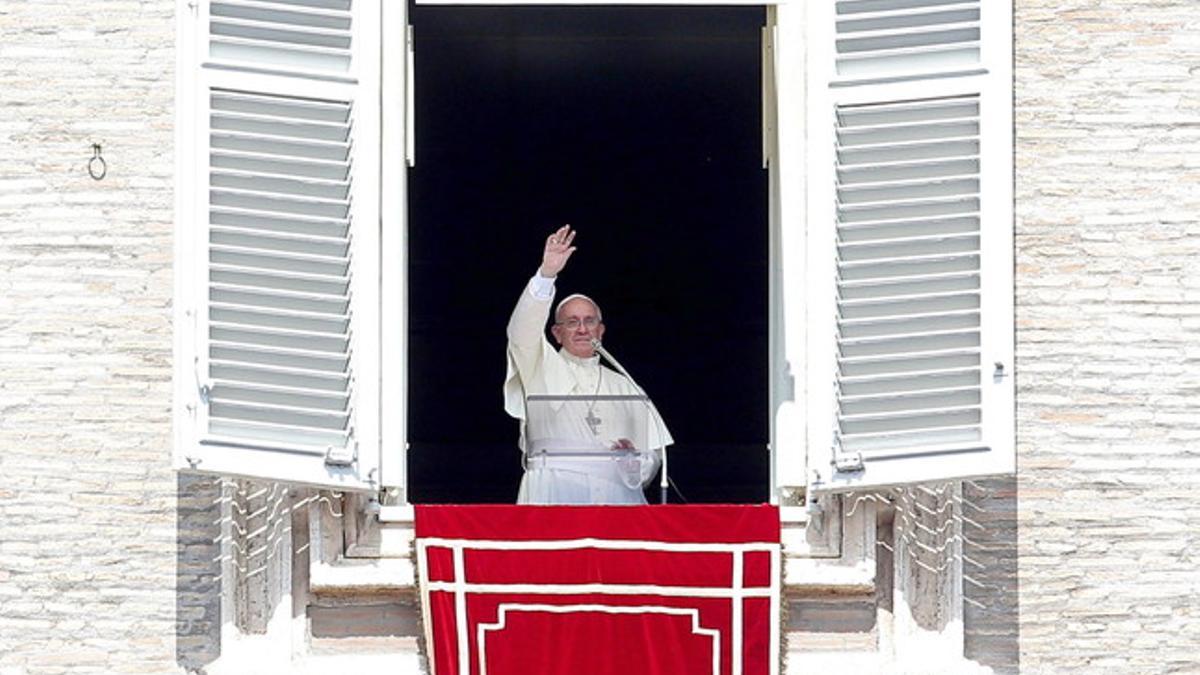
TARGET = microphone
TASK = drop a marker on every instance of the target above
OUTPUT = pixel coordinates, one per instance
(663, 483)
(599, 347)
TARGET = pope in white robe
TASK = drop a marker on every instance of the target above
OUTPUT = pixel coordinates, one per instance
(584, 451)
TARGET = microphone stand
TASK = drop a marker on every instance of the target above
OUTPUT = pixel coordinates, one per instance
(663, 482)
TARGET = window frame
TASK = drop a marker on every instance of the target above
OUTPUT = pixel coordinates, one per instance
(799, 262)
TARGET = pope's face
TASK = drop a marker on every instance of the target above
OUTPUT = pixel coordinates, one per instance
(576, 325)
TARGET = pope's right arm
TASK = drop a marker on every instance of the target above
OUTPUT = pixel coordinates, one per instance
(527, 325)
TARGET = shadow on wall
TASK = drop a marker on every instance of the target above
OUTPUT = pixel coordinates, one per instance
(990, 584)
(197, 571)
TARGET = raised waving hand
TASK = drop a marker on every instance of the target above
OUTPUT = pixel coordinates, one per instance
(558, 250)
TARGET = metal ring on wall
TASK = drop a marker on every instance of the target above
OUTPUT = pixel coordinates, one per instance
(97, 167)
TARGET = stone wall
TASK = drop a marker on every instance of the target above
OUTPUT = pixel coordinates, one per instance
(87, 496)
(1108, 334)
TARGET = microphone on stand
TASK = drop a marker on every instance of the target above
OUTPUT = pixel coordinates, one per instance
(663, 483)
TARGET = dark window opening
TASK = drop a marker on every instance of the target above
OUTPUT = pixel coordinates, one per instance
(641, 127)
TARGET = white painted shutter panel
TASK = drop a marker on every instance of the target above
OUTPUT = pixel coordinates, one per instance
(283, 240)
(910, 241)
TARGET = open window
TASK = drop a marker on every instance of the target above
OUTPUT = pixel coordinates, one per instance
(887, 239)
(650, 145)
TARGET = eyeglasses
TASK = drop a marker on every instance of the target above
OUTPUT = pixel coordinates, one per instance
(573, 323)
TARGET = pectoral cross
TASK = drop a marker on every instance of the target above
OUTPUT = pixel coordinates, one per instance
(593, 422)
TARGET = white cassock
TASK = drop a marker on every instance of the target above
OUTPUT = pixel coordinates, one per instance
(535, 367)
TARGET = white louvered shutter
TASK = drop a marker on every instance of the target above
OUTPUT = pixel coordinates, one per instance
(909, 241)
(279, 250)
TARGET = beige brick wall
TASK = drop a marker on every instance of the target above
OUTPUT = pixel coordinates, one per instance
(87, 495)
(1108, 319)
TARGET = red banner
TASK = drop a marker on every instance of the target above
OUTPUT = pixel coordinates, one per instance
(611, 590)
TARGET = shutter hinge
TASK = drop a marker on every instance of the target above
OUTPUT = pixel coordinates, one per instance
(344, 456)
(1000, 372)
(847, 462)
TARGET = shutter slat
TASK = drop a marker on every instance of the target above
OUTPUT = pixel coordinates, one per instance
(953, 417)
(281, 184)
(938, 371)
(925, 400)
(907, 229)
(269, 299)
(301, 359)
(894, 34)
(257, 257)
(929, 380)
(320, 247)
(297, 418)
(293, 378)
(279, 53)
(299, 295)
(897, 193)
(914, 248)
(328, 360)
(280, 146)
(277, 204)
(931, 440)
(296, 224)
(279, 337)
(898, 173)
(257, 318)
(849, 267)
(271, 204)
(911, 61)
(907, 15)
(918, 111)
(331, 402)
(869, 154)
(912, 343)
(279, 318)
(856, 7)
(945, 206)
(898, 324)
(278, 124)
(913, 285)
(911, 138)
(274, 31)
(279, 437)
(258, 162)
(873, 367)
(284, 235)
(927, 307)
(226, 101)
(338, 9)
(308, 283)
(846, 303)
(911, 415)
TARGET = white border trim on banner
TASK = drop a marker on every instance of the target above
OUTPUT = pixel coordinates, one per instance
(502, 618)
